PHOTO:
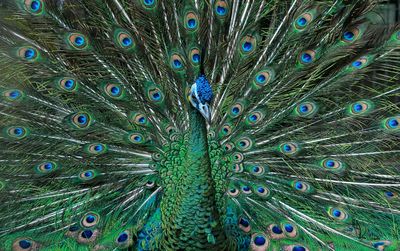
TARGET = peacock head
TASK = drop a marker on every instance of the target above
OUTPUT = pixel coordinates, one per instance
(200, 96)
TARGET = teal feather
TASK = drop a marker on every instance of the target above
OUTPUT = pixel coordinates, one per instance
(198, 125)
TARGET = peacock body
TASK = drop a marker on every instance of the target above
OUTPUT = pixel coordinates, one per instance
(198, 125)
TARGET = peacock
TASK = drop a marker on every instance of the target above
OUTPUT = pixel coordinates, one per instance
(199, 125)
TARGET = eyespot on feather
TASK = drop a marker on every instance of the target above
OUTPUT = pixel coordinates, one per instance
(34, 7)
(259, 242)
(13, 95)
(77, 41)
(16, 132)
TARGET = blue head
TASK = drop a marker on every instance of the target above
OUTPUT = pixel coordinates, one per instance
(200, 96)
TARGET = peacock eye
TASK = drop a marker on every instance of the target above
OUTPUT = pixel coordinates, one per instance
(136, 138)
(301, 186)
(17, 132)
(77, 41)
(124, 40)
(350, 35)
(194, 55)
(149, 4)
(248, 44)
(155, 95)
(24, 243)
(46, 167)
(276, 231)
(124, 239)
(114, 90)
(246, 189)
(392, 123)
(87, 175)
(96, 148)
(226, 130)
(259, 241)
(338, 214)
(290, 230)
(306, 109)
(236, 110)
(257, 170)
(233, 192)
(244, 224)
(90, 219)
(303, 20)
(360, 63)
(67, 84)
(35, 7)
(221, 8)
(331, 164)
(307, 57)
(88, 235)
(81, 120)
(296, 247)
(176, 62)
(13, 95)
(289, 149)
(263, 78)
(191, 21)
(28, 53)
(237, 157)
(262, 191)
(244, 144)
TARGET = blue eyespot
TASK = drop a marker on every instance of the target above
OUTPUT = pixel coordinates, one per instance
(18, 131)
(357, 64)
(301, 22)
(306, 58)
(90, 218)
(196, 58)
(48, 166)
(25, 244)
(299, 185)
(253, 117)
(289, 228)
(235, 110)
(348, 35)
(330, 163)
(148, 2)
(336, 213)
(276, 230)
(87, 234)
(389, 194)
(246, 188)
(259, 240)
(247, 46)
(79, 40)
(191, 23)
(115, 90)
(287, 148)
(137, 138)
(30, 53)
(82, 119)
(177, 63)
(261, 190)
(127, 41)
(303, 108)
(256, 169)
(156, 96)
(221, 10)
(122, 237)
(393, 123)
(98, 148)
(142, 120)
(88, 174)
(299, 248)
(14, 94)
(35, 5)
(244, 222)
(261, 78)
(357, 107)
(69, 84)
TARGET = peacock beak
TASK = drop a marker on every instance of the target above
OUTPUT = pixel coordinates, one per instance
(205, 110)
